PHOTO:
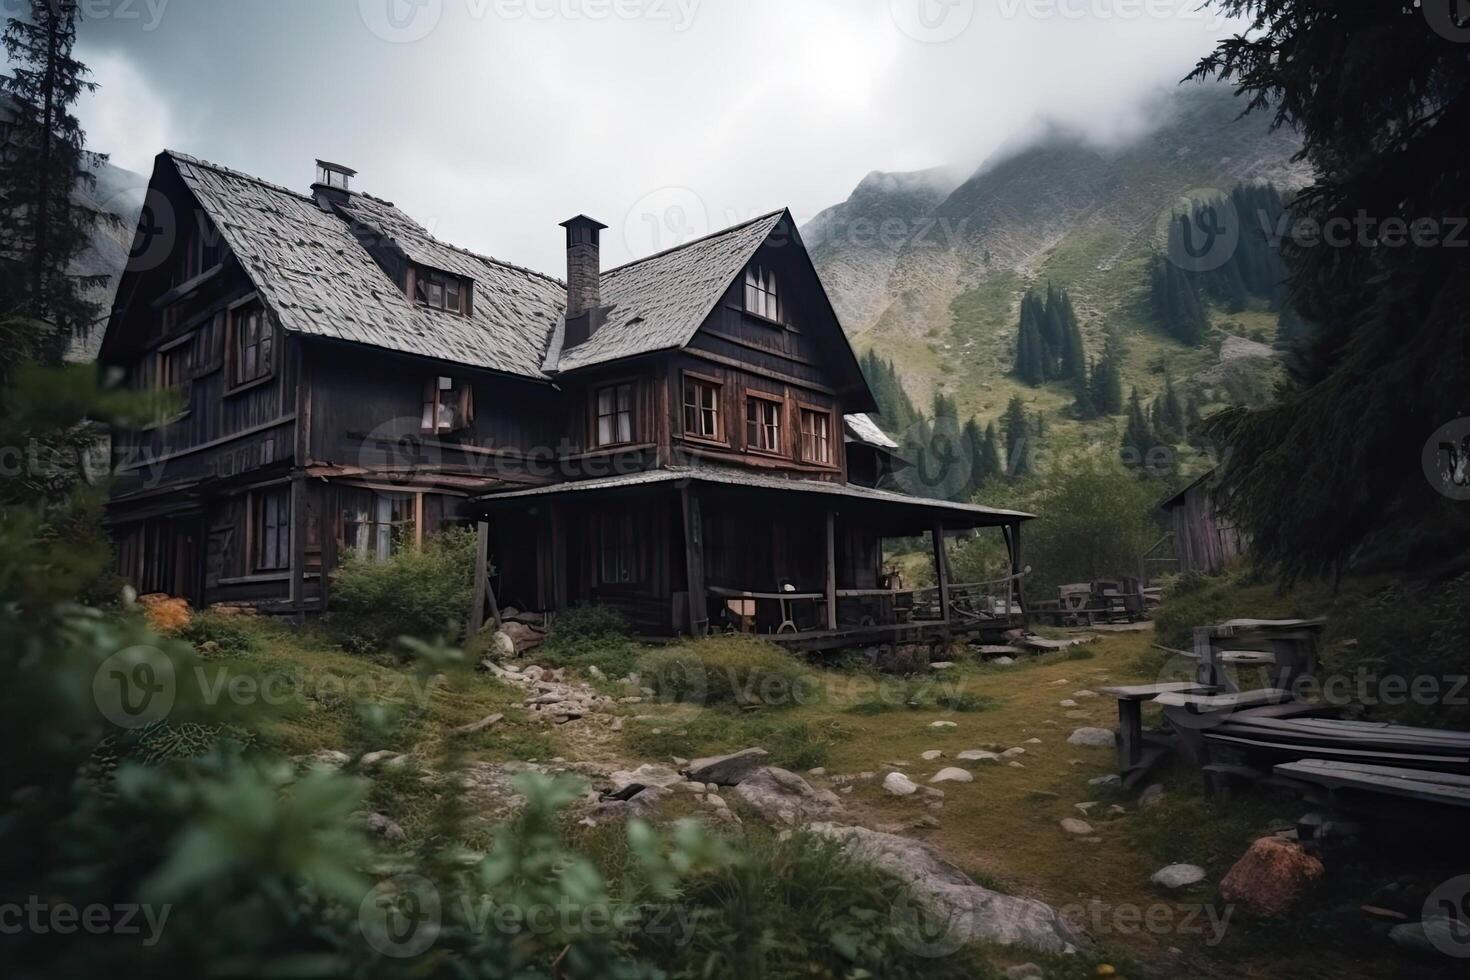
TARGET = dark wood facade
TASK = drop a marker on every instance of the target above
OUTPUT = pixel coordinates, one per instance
(283, 450)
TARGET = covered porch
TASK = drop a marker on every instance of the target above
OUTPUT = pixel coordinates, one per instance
(717, 550)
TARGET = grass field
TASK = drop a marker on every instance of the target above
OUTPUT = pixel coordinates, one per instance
(1003, 828)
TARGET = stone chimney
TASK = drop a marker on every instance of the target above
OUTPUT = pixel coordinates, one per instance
(333, 184)
(584, 273)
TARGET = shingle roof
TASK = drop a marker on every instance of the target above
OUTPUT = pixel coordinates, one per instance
(864, 429)
(319, 280)
(658, 302)
(732, 477)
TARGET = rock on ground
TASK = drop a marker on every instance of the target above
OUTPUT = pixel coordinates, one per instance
(1441, 936)
(1152, 795)
(479, 726)
(648, 774)
(951, 896)
(1074, 826)
(978, 755)
(952, 774)
(1271, 876)
(726, 770)
(1092, 736)
(898, 784)
(784, 797)
(1178, 876)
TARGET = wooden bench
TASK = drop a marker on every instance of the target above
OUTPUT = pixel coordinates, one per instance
(1348, 779)
(1130, 700)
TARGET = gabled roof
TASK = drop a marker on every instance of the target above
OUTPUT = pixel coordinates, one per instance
(658, 302)
(314, 271)
(319, 281)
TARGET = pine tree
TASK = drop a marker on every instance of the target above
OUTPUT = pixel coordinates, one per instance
(991, 467)
(974, 443)
(1018, 438)
(1082, 404)
(1138, 436)
(1107, 378)
(45, 159)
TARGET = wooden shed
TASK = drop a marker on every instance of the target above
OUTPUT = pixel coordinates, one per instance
(1205, 540)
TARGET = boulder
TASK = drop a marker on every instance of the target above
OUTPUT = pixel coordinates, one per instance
(970, 912)
(1112, 782)
(952, 774)
(1270, 877)
(384, 826)
(1178, 876)
(978, 755)
(1152, 795)
(942, 724)
(930, 755)
(782, 796)
(637, 804)
(898, 784)
(1102, 737)
(1436, 936)
(521, 636)
(726, 770)
(648, 774)
(1074, 826)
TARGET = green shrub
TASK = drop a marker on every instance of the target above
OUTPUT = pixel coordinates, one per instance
(920, 694)
(214, 635)
(421, 592)
(728, 670)
(1196, 600)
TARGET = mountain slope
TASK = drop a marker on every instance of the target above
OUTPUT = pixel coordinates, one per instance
(942, 302)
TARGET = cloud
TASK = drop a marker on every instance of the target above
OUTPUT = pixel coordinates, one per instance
(124, 118)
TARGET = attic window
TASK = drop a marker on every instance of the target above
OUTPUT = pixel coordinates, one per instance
(449, 405)
(441, 290)
(760, 293)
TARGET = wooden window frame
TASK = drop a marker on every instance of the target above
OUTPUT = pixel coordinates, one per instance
(260, 528)
(762, 293)
(720, 438)
(414, 523)
(176, 354)
(802, 410)
(595, 416)
(463, 286)
(458, 396)
(233, 353)
(760, 425)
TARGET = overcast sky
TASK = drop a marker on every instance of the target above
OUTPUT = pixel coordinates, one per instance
(492, 120)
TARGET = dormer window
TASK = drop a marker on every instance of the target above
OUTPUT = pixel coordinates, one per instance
(760, 293)
(441, 290)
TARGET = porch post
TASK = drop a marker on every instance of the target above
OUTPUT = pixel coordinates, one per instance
(941, 569)
(831, 569)
(483, 590)
(694, 561)
(298, 545)
(1012, 534)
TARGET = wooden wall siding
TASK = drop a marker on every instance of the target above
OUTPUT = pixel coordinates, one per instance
(366, 410)
(1202, 539)
(734, 383)
(579, 400)
(217, 434)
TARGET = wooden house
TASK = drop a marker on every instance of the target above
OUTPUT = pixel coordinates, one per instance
(682, 437)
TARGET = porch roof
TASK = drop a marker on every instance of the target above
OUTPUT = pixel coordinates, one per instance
(953, 514)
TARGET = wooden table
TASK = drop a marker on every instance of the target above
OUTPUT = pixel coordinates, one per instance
(783, 599)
